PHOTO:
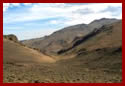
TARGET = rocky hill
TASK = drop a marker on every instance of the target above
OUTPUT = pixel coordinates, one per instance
(60, 39)
(11, 37)
(107, 36)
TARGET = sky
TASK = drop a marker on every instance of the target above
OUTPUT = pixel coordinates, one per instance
(34, 20)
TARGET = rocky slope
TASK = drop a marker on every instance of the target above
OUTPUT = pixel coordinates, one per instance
(107, 36)
(60, 39)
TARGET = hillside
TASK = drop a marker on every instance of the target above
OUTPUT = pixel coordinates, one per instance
(108, 36)
(60, 39)
(16, 53)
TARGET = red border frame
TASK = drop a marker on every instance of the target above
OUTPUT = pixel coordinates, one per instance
(60, 1)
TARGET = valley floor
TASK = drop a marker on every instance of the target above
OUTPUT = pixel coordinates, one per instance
(57, 74)
(60, 72)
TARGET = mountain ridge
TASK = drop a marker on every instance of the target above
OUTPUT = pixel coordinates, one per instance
(64, 37)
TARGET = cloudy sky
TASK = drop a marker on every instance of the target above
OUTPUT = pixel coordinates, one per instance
(27, 20)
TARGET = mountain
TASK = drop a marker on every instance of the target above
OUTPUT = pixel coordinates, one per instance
(77, 54)
(57, 41)
(14, 52)
(102, 48)
(107, 36)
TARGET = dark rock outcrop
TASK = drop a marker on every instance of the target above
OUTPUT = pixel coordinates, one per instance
(11, 37)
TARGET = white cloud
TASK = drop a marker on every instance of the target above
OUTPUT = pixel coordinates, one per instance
(7, 5)
(54, 22)
(50, 10)
(70, 14)
(34, 34)
(15, 4)
(27, 4)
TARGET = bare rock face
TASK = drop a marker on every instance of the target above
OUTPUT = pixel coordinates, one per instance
(11, 37)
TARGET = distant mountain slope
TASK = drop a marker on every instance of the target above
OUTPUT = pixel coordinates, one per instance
(16, 53)
(32, 42)
(63, 38)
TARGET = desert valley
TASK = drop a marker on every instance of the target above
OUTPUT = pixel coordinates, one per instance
(83, 53)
